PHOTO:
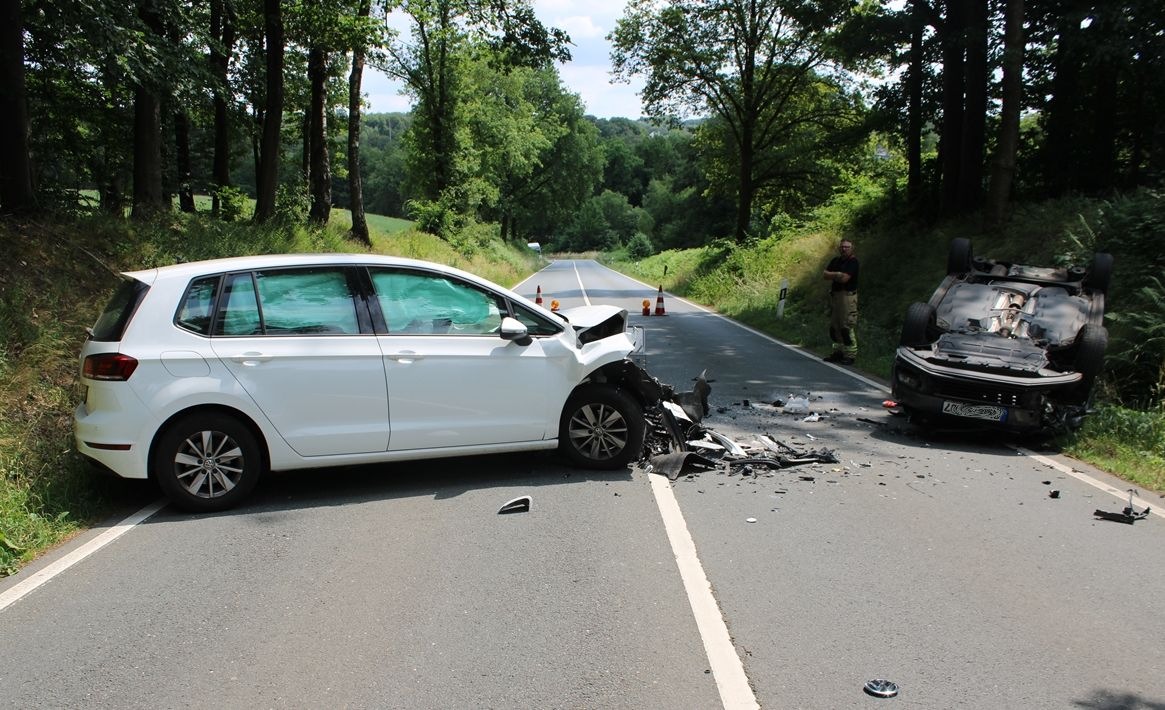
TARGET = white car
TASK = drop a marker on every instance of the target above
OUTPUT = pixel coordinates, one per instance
(205, 375)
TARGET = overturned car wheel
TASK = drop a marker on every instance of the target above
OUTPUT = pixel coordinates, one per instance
(919, 327)
(959, 257)
(601, 428)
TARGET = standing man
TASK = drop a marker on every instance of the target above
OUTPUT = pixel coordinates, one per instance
(842, 273)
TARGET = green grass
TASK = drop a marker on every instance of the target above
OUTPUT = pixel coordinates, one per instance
(54, 280)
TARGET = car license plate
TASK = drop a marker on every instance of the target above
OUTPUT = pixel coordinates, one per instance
(976, 411)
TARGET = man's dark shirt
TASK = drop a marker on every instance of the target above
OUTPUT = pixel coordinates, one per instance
(847, 265)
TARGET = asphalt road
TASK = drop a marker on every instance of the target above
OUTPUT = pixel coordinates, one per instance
(941, 564)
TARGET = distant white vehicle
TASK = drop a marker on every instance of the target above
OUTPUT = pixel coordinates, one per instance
(535, 246)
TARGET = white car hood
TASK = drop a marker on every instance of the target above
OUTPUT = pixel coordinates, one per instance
(584, 317)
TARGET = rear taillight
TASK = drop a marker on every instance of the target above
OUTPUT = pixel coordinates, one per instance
(114, 367)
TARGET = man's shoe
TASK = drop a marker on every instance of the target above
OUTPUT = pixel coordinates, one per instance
(833, 357)
(846, 360)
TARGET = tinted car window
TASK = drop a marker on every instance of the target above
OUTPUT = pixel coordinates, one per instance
(239, 314)
(306, 301)
(118, 311)
(197, 309)
(429, 304)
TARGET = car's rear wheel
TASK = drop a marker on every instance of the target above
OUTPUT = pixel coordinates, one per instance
(959, 258)
(207, 462)
(919, 327)
(1100, 273)
(601, 428)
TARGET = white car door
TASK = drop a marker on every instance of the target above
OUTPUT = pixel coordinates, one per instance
(452, 380)
(298, 352)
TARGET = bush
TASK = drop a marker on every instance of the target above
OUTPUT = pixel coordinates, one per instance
(231, 203)
(640, 246)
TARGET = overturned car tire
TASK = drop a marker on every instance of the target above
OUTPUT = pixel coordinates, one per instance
(919, 327)
(601, 428)
(1100, 273)
(1091, 342)
(959, 258)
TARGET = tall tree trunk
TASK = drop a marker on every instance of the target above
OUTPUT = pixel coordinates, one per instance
(951, 138)
(148, 196)
(1003, 169)
(355, 181)
(319, 171)
(182, 160)
(1060, 121)
(268, 177)
(974, 135)
(222, 31)
(16, 193)
(147, 154)
(744, 183)
(914, 111)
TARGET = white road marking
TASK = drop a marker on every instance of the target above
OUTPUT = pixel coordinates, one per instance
(578, 277)
(728, 671)
(1138, 502)
(19, 590)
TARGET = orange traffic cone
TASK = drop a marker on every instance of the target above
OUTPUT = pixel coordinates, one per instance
(646, 307)
(659, 310)
(538, 296)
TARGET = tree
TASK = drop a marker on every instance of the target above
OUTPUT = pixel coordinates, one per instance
(267, 178)
(355, 183)
(441, 34)
(755, 65)
(16, 193)
(148, 198)
(1003, 169)
(223, 21)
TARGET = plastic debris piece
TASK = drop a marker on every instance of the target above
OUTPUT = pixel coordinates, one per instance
(814, 417)
(1128, 516)
(521, 504)
(1053, 494)
(729, 445)
(889, 403)
(750, 520)
(797, 405)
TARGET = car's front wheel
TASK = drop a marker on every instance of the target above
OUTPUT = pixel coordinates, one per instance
(602, 427)
(207, 462)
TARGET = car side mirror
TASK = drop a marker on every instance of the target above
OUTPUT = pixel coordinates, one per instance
(515, 330)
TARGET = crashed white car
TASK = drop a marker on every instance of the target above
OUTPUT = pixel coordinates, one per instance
(1011, 346)
(205, 375)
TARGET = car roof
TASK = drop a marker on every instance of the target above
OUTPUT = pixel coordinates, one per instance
(191, 269)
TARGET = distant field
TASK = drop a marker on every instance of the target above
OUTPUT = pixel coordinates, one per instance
(340, 217)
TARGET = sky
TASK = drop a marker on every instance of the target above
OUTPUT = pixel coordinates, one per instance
(588, 74)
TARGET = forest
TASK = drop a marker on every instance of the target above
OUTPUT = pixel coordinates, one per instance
(967, 105)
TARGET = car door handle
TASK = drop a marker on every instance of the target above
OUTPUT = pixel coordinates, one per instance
(250, 359)
(404, 357)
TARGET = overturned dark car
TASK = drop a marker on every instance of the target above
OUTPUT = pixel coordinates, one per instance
(1004, 345)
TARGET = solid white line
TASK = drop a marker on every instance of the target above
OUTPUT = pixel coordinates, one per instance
(731, 681)
(18, 591)
(578, 277)
(1137, 501)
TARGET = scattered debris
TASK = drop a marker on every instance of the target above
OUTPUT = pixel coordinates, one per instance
(677, 443)
(1053, 494)
(750, 520)
(880, 688)
(1128, 516)
(520, 504)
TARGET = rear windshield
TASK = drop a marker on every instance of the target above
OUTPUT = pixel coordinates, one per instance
(116, 316)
